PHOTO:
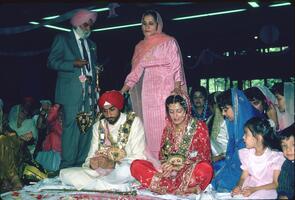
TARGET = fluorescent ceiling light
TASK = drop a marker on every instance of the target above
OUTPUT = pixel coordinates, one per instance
(68, 30)
(116, 27)
(35, 23)
(253, 4)
(94, 10)
(209, 14)
(58, 28)
(50, 26)
(280, 4)
(173, 3)
(50, 17)
(100, 9)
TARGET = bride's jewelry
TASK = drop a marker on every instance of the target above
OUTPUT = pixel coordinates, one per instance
(179, 130)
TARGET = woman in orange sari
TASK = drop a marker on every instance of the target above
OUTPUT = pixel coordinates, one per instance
(185, 154)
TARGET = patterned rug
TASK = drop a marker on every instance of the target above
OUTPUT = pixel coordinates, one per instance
(21, 195)
(53, 189)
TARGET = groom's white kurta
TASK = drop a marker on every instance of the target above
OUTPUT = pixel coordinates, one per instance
(86, 178)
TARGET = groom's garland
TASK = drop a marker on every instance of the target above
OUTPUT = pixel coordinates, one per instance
(116, 150)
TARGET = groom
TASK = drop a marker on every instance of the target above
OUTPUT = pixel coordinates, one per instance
(117, 140)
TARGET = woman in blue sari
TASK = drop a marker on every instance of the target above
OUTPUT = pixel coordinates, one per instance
(237, 110)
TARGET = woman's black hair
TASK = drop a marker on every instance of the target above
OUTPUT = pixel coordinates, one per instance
(61, 109)
(201, 89)
(176, 99)
(224, 99)
(287, 133)
(261, 126)
(278, 88)
(152, 13)
(254, 93)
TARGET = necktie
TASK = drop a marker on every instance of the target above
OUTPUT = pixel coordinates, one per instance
(85, 54)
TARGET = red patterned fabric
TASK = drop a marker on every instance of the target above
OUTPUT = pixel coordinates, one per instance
(143, 171)
(53, 138)
(200, 143)
(197, 170)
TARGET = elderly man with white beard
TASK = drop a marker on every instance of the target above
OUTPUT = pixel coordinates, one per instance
(73, 56)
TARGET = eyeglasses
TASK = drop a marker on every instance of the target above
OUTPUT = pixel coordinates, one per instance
(87, 24)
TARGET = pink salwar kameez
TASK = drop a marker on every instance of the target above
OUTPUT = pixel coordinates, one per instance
(156, 67)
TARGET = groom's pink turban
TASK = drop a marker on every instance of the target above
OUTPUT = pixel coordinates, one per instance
(83, 16)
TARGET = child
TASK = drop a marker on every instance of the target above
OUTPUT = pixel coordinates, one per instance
(286, 179)
(237, 110)
(260, 164)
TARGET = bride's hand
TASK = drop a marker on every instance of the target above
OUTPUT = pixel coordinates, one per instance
(166, 169)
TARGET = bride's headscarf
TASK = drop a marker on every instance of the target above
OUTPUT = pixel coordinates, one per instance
(186, 104)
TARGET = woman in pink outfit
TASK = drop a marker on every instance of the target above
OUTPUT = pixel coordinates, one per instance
(261, 165)
(156, 72)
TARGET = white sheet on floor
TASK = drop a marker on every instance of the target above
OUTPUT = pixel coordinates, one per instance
(49, 185)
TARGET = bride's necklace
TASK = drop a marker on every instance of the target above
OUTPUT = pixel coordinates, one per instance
(178, 135)
(179, 130)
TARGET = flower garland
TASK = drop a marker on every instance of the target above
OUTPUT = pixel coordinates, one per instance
(116, 150)
(124, 132)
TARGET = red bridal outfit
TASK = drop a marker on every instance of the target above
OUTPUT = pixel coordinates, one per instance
(190, 152)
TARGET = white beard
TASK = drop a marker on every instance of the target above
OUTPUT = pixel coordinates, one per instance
(82, 33)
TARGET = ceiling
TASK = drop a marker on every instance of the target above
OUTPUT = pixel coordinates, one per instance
(22, 50)
(221, 30)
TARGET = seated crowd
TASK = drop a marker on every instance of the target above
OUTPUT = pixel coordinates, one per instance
(240, 142)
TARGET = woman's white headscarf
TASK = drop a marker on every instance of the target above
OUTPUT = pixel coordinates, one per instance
(287, 118)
